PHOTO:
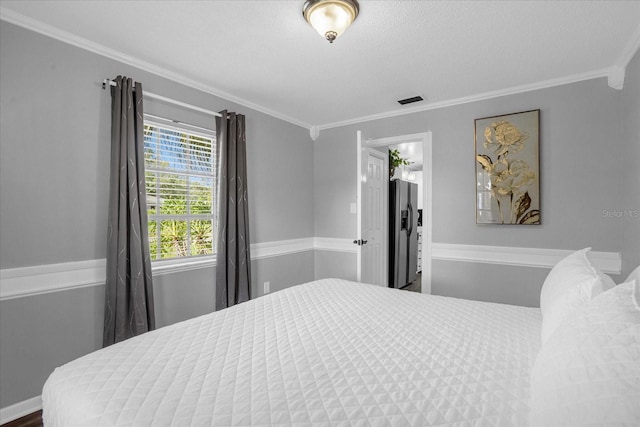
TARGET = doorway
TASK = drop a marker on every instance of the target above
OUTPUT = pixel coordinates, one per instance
(370, 261)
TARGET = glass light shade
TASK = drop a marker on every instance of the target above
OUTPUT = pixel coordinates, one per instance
(330, 17)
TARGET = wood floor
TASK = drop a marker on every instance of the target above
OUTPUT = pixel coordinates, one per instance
(31, 420)
(416, 285)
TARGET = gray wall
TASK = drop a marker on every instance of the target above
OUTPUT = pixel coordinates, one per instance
(282, 272)
(54, 155)
(334, 177)
(487, 282)
(335, 264)
(40, 332)
(630, 205)
(55, 137)
(581, 154)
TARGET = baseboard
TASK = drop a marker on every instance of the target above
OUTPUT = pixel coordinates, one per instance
(20, 409)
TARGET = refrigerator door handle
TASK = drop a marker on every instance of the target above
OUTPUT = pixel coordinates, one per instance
(410, 228)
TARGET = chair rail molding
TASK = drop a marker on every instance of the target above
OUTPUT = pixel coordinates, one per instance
(25, 281)
(334, 244)
(607, 262)
(39, 279)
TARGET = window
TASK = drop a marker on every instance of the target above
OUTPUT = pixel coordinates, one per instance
(180, 170)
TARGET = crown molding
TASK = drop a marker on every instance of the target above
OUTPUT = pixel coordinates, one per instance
(314, 132)
(82, 43)
(615, 79)
(474, 98)
(629, 51)
(613, 74)
(618, 70)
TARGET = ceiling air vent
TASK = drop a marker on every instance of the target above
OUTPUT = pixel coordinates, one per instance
(410, 100)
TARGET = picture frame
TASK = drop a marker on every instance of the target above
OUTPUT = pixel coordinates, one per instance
(507, 159)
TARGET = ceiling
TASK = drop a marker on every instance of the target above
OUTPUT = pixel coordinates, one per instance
(262, 54)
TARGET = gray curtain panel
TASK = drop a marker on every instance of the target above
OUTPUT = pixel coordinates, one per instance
(129, 291)
(233, 270)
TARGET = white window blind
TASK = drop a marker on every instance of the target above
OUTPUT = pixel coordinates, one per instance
(180, 173)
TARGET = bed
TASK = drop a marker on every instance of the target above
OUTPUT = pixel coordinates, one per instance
(329, 352)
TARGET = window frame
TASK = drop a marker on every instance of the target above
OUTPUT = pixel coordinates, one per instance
(187, 262)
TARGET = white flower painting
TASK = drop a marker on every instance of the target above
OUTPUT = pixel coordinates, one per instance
(507, 169)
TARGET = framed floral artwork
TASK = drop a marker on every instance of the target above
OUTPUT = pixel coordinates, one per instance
(508, 169)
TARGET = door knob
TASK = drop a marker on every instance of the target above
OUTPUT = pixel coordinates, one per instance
(364, 242)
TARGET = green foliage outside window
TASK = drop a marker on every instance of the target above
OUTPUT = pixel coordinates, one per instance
(180, 184)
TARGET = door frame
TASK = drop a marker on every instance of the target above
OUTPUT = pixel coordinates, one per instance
(427, 192)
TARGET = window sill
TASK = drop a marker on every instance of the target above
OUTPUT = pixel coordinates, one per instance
(178, 265)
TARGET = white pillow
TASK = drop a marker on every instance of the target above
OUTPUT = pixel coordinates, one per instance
(607, 281)
(588, 372)
(570, 285)
(635, 275)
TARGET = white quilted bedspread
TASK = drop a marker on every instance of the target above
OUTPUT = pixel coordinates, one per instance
(326, 353)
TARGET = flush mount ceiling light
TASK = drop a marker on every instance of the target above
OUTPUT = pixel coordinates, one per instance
(330, 17)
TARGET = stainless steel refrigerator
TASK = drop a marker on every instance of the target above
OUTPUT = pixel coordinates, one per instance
(403, 233)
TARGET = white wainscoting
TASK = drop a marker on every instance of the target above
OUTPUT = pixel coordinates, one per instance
(26, 281)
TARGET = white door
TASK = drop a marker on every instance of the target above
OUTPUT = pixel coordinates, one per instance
(373, 216)
(373, 226)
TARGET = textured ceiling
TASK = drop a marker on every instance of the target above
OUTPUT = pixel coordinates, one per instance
(263, 54)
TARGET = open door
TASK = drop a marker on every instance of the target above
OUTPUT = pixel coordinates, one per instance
(369, 260)
(373, 173)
